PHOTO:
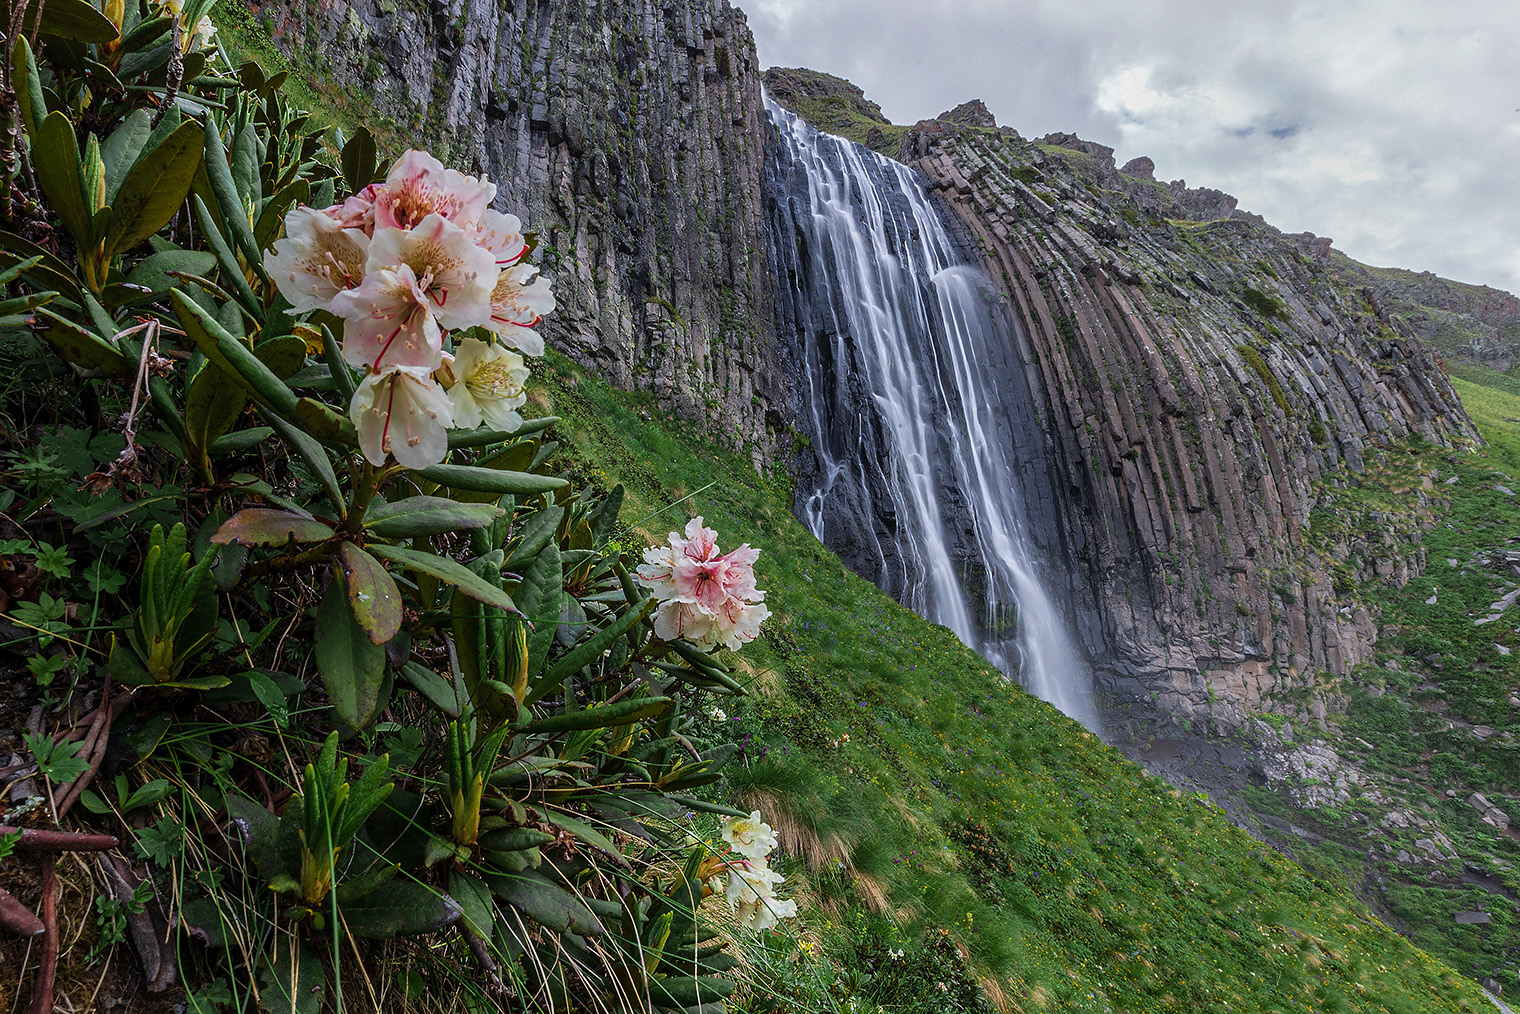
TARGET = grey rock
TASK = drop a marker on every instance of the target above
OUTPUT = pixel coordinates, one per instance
(630, 136)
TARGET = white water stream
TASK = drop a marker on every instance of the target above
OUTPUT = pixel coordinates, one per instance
(905, 413)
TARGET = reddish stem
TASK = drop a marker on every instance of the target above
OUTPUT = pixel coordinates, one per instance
(38, 840)
(47, 971)
(17, 918)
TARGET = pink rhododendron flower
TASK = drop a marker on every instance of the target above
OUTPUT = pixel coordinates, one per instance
(403, 262)
(705, 597)
(418, 185)
(488, 385)
(456, 275)
(403, 412)
(358, 211)
(388, 321)
(317, 259)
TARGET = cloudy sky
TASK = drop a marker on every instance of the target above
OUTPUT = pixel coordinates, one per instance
(1392, 126)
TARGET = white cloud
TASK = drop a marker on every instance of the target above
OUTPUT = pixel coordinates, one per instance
(1390, 125)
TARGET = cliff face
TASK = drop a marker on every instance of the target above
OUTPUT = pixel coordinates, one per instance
(1198, 371)
(629, 134)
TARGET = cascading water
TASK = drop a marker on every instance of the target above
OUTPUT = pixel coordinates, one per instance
(910, 395)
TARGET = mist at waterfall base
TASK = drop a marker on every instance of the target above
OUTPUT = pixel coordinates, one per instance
(923, 448)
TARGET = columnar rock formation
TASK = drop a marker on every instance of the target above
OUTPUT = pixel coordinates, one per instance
(629, 134)
(1199, 371)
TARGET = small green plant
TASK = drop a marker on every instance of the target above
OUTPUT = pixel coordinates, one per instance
(176, 621)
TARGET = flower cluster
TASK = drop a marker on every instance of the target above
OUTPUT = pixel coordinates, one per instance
(705, 597)
(751, 887)
(403, 263)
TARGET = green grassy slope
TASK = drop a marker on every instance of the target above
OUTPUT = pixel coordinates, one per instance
(928, 794)
(1436, 718)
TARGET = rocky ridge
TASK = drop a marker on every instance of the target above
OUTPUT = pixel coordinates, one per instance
(1201, 372)
(629, 134)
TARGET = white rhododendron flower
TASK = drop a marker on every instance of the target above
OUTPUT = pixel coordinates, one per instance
(705, 597)
(765, 913)
(519, 300)
(403, 412)
(502, 235)
(317, 259)
(751, 880)
(749, 836)
(456, 275)
(388, 321)
(488, 385)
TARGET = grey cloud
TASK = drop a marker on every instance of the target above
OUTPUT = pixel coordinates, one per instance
(1389, 125)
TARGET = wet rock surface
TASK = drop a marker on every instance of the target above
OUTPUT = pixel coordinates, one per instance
(1197, 372)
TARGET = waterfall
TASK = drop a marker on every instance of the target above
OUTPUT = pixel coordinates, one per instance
(923, 446)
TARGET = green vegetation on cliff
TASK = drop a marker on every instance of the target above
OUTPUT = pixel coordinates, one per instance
(833, 104)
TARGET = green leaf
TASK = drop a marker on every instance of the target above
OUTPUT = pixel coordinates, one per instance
(704, 990)
(148, 794)
(48, 273)
(585, 832)
(354, 888)
(233, 356)
(154, 189)
(83, 348)
(475, 904)
(514, 839)
(372, 594)
(55, 158)
(434, 687)
(271, 697)
(619, 713)
(548, 904)
(352, 666)
(448, 572)
(539, 596)
(272, 214)
(403, 907)
(358, 160)
(121, 150)
(489, 480)
(706, 806)
(153, 272)
(229, 201)
(293, 980)
(601, 641)
(315, 456)
(60, 762)
(428, 515)
(232, 272)
(483, 437)
(262, 526)
(213, 401)
(75, 20)
(326, 423)
(28, 86)
(532, 537)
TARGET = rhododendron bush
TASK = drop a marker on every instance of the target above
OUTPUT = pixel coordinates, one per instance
(369, 666)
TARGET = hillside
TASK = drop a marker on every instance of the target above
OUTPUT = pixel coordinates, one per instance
(1364, 618)
(924, 793)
